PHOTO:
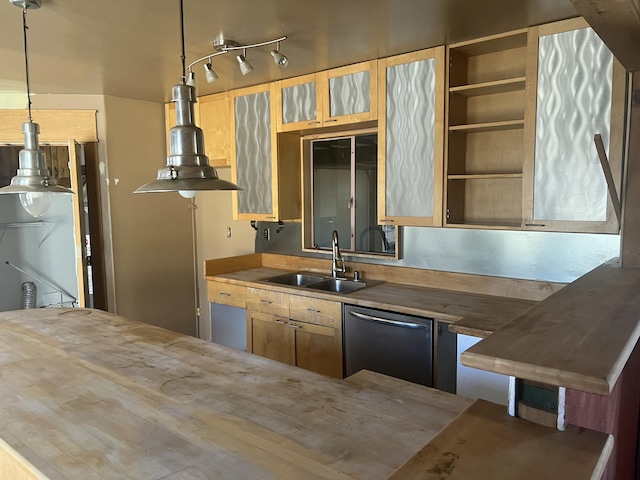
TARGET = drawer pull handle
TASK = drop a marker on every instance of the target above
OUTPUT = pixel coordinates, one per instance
(295, 326)
(283, 322)
(268, 302)
(331, 120)
(223, 294)
(313, 123)
(313, 310)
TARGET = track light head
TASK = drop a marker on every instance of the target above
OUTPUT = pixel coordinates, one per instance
(279, 59)
(191, 79)
(245, 66)
(209, 73)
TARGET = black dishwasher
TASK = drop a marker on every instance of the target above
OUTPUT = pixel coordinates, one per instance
(397, 345)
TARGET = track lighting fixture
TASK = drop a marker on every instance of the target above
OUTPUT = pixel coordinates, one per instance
(245, 67)
(33, 182)
(187, 170)
(222, 46)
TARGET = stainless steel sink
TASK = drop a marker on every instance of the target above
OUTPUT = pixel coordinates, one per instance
(294, 279)
(337, 285)
(318, 282)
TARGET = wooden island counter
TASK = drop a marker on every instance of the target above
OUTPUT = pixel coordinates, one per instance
(91, 395)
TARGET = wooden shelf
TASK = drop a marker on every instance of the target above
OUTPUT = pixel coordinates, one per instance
(483, 176)
(488, 127)
(494, 43)
(490, 88)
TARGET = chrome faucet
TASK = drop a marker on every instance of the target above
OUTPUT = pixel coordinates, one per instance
(336, 257)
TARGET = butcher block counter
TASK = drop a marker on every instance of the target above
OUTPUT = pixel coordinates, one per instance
(474, 304)
(580, 337)
(91, 395)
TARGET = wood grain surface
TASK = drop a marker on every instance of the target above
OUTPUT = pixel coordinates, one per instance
(460, 282)
(484, 443)
(469, 313)
(90, 395)
(580, 337)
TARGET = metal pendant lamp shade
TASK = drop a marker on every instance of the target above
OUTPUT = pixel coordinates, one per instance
(187, 166)
(33, 175)
(33, 181)
(187, 170)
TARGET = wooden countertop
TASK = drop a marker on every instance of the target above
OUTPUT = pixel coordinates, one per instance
(580, 337)
(470, 313)
(483, 443)
(90, 395)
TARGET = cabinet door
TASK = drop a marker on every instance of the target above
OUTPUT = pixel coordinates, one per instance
(254, 154)
(318, 348)
(410, 139)
(215, 113)
(579, 91)
(350, 94)
(272, 338)
(298, 102)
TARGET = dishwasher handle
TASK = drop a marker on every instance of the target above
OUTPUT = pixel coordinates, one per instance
(397, 323)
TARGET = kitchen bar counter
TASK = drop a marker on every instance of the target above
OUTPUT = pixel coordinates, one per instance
(581, 337)
(470, 312)
(90, 395)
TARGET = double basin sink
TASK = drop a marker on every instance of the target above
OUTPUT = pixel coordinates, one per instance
(318, 282)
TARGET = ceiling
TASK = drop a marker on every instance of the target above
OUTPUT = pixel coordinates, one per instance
(131, 48)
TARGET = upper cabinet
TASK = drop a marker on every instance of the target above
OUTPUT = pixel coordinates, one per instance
(343, 95)
(523, 109)
(410, 138)
(485, 124)
(264, 165)
(578, 89)
(216, 126)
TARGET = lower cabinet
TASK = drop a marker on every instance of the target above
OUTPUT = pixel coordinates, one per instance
(318, 348)
(271, 337)
(313, 347)
(297, 330)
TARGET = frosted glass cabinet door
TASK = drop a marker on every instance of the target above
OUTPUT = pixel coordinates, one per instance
(253, 154)
(412, 148)
(298, 101)
(574, 101)
(350, 94)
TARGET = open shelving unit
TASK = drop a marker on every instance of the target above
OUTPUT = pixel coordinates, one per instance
(485, 135)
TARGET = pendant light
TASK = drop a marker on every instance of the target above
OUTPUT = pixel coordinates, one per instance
(187, 170)
(33, 182)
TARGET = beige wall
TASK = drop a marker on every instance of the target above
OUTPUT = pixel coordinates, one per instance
(151, 233)
(214, 215)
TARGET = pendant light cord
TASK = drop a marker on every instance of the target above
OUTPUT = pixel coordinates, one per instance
(26, 59)
(183, 57)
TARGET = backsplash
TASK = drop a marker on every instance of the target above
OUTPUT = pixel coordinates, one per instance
(546, 256)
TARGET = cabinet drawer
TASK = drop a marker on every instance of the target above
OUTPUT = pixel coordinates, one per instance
(266, 301)
(227, 294)
(313, 310)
